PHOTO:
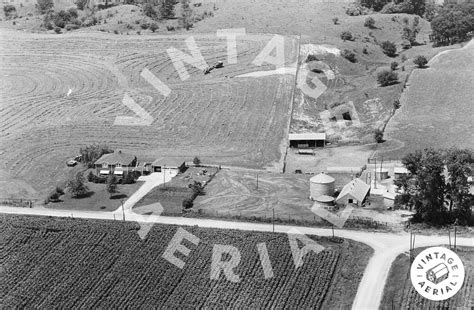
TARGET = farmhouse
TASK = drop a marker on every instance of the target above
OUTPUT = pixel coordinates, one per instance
(354, 192)
(116, 163)
(168, 163)
(307, 140)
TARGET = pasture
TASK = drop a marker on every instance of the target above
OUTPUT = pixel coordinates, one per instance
(73, 263)
(218, 117)
(436, 108)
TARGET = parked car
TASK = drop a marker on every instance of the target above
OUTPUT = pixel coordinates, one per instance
(71, 163)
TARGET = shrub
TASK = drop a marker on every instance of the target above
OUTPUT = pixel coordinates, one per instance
(59, 190)
(406, 44)
(116, 31)
(387, 77)
(378, 136)
(335, 20)
(57, 30)
(144, 25)
(111, 184)
(139, 32)
(402, 7)
(129, 178)
(396, 104)
(347, 35)
(70, 27)
(394, 65)
(154, 27)
(170, 28)
(389, 48)
(149, 10)
(365, 51)
(420, 61)
(349, 55)
(44, 6)
(357, 9)
(196, 161)
(9, 11)
(404, 58)
(369, 22)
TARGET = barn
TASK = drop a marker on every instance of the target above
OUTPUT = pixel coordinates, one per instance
(353, 192)
(307, 140)
(168, 163)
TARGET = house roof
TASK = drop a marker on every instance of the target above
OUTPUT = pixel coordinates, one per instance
(400, 170)
(356, 188)
(116, 158)
(170, 162)
(307, 136)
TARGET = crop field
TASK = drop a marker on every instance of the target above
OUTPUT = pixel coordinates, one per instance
(61, 92)
(437, 109)
(71, 263)
(402, 295)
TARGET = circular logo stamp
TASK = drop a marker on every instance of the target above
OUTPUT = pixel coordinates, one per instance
(437, 273)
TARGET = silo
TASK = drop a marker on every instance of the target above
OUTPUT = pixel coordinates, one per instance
(321, 184)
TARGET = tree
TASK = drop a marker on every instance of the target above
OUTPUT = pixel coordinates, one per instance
(369, 22)
(347, 35)
(394, 65)
(197, 188)
(378, 136)
(389, 48)
(187, 203)
(387, 77)
(149, 10)
(453, 24)
(111, 185)
(335, 20)
(77, 186)
(186, 19)
(44, 6)
(420, 61)
(91, 153)
(196, 161)
(418, 6)
(410, 32)
(81, 4)
(9, 11)
(349, 55)
(166, 9)
(458, 165)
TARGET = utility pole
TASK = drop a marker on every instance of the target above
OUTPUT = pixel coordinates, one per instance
(123, 212)
(375, 173)
(257, 181)
(273, 218)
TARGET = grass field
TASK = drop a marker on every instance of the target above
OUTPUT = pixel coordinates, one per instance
(400, 294)
(70, 263)
(220, 118)
(437, 108)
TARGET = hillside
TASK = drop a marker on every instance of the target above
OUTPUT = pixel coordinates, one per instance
(69, 263)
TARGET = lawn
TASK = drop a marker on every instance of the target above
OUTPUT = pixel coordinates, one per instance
(400, 294)
(171, 194)
(97, 199)
(75, 263)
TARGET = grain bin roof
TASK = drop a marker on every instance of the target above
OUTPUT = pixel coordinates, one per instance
(324, 198)
(322, 178)
(307, 136)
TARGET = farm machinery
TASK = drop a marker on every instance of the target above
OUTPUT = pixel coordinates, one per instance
(217, 65)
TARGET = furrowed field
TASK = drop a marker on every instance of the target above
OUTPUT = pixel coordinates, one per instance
(219, 117)
(102, 264)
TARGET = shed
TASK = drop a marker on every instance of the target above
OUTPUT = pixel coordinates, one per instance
(325, 200)
(399, 171)
(353, 192)
(168, 163)
(307, 140)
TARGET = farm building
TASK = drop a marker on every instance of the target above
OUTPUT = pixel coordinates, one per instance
(354, 192)
(321, 185)
(399, 171)
(307, 140)
(116, 163)
(168, 163)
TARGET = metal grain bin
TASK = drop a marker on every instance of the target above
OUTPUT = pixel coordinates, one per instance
(320, 185)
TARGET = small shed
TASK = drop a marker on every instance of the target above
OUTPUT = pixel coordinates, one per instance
(325, 200)
(168, 163)
(355, 192)
(399, 171)
(307, 140)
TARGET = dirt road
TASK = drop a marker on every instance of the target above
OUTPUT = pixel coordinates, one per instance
(369, 295)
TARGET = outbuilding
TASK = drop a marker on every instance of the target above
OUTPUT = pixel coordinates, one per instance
(355, 192)
(168, 163)
(307, 140)
(399, 171)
